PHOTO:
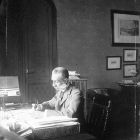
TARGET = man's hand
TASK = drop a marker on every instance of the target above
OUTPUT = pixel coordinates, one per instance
(39, 107)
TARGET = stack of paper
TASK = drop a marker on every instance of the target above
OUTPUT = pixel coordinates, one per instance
(27, 122)
(52, 127)
(49, 121)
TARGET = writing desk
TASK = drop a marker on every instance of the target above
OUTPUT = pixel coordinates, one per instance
(27, 122)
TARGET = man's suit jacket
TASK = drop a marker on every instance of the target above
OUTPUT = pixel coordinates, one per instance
(70, 104)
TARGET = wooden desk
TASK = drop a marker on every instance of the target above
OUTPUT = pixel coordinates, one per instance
(27, 122)
(84, 136)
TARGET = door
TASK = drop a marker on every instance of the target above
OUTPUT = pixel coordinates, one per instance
(38, 49)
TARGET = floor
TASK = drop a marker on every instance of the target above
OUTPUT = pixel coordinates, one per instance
(121, 134)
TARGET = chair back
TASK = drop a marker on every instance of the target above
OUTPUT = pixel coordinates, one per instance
(99, 106)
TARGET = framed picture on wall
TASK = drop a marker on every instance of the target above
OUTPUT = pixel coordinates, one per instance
(130, 55)
(113, 62)
(129, 70)
(125, 28)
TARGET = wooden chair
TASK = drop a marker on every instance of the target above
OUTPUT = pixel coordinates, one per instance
(98, 111)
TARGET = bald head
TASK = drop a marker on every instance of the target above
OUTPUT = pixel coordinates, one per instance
(60, 73)
(59, 78)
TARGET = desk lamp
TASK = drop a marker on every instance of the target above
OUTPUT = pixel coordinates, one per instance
(9, 89)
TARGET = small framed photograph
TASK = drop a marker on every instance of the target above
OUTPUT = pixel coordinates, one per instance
(113, 62)
(130, 55)
(125, 28)
(129, 70)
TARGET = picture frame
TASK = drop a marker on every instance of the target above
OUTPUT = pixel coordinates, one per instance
(129, 70)
(130, 55)
(113, 62)
(125, 28)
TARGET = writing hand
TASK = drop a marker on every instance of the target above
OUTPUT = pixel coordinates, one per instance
(39, 107)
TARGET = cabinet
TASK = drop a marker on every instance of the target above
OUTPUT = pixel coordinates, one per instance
(130, 106)
(82, 85)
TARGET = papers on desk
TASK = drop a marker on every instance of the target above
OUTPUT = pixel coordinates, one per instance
(27, 122)
(49, 121)
(16, 126)
(53, 126)
(25, 132)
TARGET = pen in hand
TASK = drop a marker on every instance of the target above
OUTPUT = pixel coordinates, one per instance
(37, 102)
(35, 105)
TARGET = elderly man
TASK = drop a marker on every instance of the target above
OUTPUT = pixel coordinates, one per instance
(68, 99)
